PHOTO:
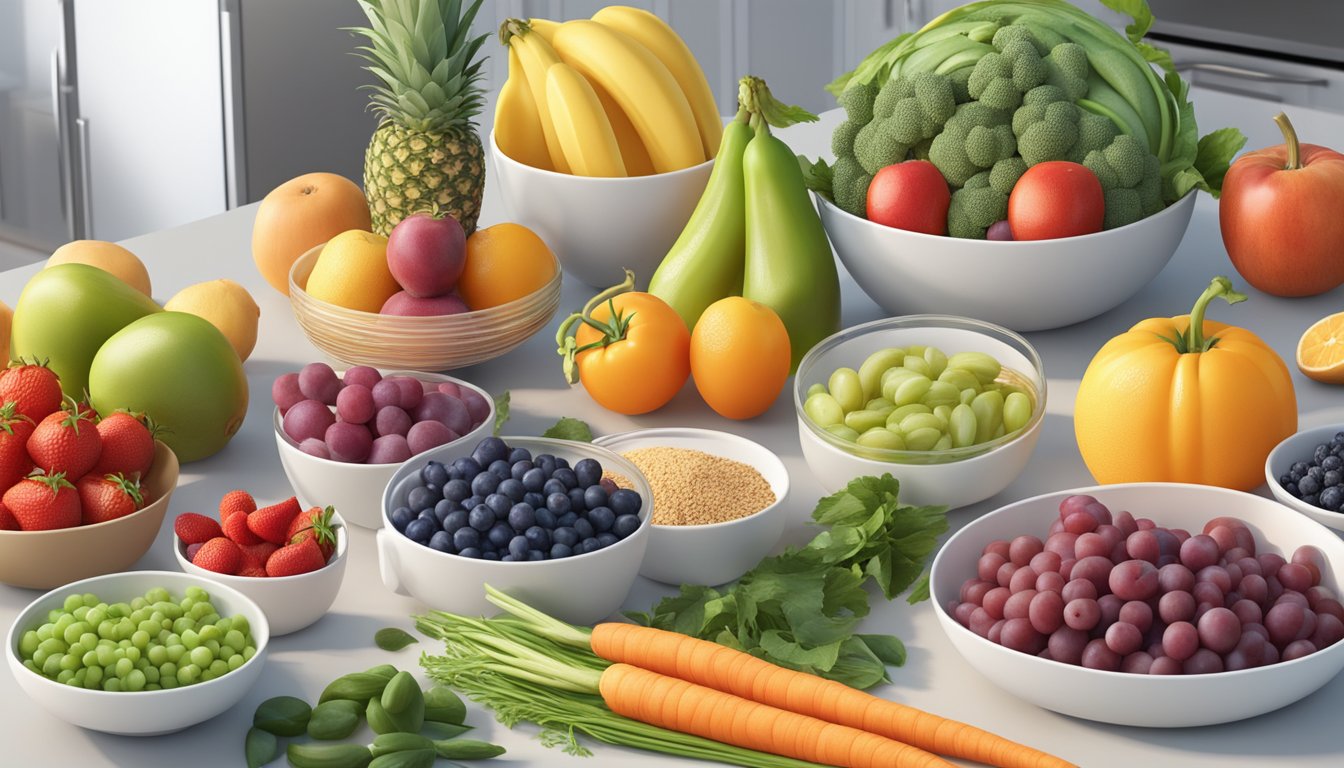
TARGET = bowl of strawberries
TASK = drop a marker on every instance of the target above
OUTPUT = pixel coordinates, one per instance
(287, 559)
(81, 494)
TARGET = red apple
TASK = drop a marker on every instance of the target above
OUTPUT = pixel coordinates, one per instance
(426, 254)
(911, 195)
(404, 304)
(1282, 216)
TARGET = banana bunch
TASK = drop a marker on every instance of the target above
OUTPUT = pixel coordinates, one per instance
(617, 95)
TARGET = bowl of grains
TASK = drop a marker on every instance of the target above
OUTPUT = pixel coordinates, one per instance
(718, 502)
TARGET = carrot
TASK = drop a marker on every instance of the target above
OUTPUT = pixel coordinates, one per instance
(701, 662)
(678, 705)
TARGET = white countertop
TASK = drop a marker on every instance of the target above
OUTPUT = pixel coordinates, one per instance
(935, 677)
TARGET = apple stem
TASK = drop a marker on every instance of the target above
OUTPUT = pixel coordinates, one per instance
(1290, 140)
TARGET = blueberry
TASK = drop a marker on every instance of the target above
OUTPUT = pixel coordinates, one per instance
(625, 525)
(588, 471)
(519, 469)
(566, 520)
(1300, 468)
(553, 486)
(1295, 476)
(490, 449)
(566, 476)
(536, 555)
(558, 503)
(607, 539)
(545, 518)
(441, 541)
(466, 538)
(1285, 480)
(534, 500)
(1312, 499)
(500, 535)
(566, 535)
(442, 510)
(454, 473)
(584, 528)
(522, 517)
(500, 469)
(420, 498)
(435, 491)
(434, 473)
(489, 555)
(560, 550)
(1332, 498)
(400, 517)
(1338, 439)
(467, 467)
(519, 454)
(1332, 462)
(488, 546)
(455, 520)
(602, 518)
(534, 479)
(589, 544)
(561, 463)
(1320, 453)
(506, 559)
(472, 502)
(576, 500)
(499, 504)
(595, 496)
(481, 518)
(420, 529)
(1291, 488)
(513, 489)
(518, 547)
(1316, 472)
(471, 552)
(484, 484)
(609, 485)
(457, 490)
(1309, 485)
(1332, 477)
(625, 502)
(538, 538)
(544, 462)
(428, 514)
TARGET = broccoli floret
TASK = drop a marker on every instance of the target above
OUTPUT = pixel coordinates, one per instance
(999, 79)
(842, 140)
(1005, 173)
(975, 138)
(975, 207)
(1048, 126)
(1094, 132)
(857, 101)
(1066, 67)
(906, 112)
(849, 185)
(1131, 180)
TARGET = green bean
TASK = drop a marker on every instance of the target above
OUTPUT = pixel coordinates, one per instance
(876, 364)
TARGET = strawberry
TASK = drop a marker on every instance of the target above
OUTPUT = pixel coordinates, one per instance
(252, 570)
(294, 559)
(15, 429)
(236, 529)
(65, 442)
(315, 524)
(219, 555)
(256, 555)
(271, 523)
(43, 503)
(7, 521)
(34, 386)
(108, 497)
(128, 446)
(196, 529)
(236, 501)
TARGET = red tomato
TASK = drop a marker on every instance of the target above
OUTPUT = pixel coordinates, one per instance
(1056, 199)
(912, 195)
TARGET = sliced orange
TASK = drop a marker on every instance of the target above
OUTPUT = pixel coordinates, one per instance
(1320, 351)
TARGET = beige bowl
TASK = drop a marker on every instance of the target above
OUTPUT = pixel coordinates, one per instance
(48, 559)
(417, 343)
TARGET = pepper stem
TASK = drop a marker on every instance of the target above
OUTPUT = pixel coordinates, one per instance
(1194, 339)
(566, 345)
(1290, 141)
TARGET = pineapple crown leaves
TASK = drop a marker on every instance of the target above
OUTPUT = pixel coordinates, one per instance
(428, 67)
(55, 482)
(128, 486)
(321, 526)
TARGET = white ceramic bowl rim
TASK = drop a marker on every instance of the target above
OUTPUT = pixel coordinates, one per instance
(208, 584)
(948, 455)
(1172, 680)
(342, 548)
(494, 146)
(1079, 240)
(513, 441)
(607, 441)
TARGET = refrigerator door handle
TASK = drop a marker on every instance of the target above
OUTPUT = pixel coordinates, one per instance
(82, 130)
(62, 145)
(235, 150)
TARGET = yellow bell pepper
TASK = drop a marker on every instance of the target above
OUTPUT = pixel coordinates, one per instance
(1184, 399)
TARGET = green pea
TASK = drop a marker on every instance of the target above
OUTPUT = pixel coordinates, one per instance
(988, 407)
(225, 651)
(922, 439)
(45, 632)
(93, 677)
(937, 361)
(112, 685)
(918, 364)
(140, 639)
(169, 683)
(51, 667)
(219, 667)
(89, 640)
(135, 681)
(53, 645)
(168, 669)
(132, 653)
(151, 674)
(823, 410)
(960, 378)
(985, 367)
(249, 652)
(212, 646)
(124, 667)
(1000, 432)
(89, 659)
(870, 372)
(182, 624)
(911, 390)
(188, 674)
(240, 624)
(845, 388)
(201, 656)
(915, 349)
(843, 432)
(881, 438)
(920, 421)
(1016, 411)
(39, 657)
(236, 661)
(862, 421)
(73, 601)
(190, 640)
(70, 661)
(65, 676)
(196, 593)
(941, 393)
(176, 652)
(961, 426)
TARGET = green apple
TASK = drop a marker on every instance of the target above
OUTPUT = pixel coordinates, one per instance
(66, 312)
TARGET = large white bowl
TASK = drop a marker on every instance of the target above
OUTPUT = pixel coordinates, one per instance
(716, 553)
(599, 226)
(956, 477)
(142, 713)
(1294, 448)
(1026, 286)
(356, 490)
(1155, 701)
(581, 589)
(290, 603)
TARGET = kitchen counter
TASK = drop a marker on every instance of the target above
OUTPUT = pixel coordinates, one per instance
(934, 678)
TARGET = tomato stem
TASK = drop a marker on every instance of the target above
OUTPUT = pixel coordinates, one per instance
(1294, 162)
(614, 330)
(1193, 339)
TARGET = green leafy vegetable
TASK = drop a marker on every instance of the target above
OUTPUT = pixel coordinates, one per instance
(501, 411)
(570, 429)
(393, 638)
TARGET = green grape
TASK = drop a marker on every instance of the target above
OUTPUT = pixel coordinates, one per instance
(823, 410)
(919, 365)
(920, 421)
(843, 432)
(911, 390)
(891, 379)
(937, 361)
(941, 393)
(862, 421)
(201, 656)
(922, 439)
(135, 681)
(944, 414)
(968, 395)
(988, 407)
(879, 437)
(844, 386)
(985, 367)
(815, 389)
(880, 404)
(876, 364)
(961, 426)
(944, 443)
(1016, 411)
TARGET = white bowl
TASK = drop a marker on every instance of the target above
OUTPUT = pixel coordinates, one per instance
(356, 490)
(1155, 701)
(143, 713)
(599, 226)
(716, 553)
(1026, 286)
(956, 477)
(1294, 448)
(582, 589)
(289, 602)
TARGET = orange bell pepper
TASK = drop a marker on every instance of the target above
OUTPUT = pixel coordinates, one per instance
(1184, 399)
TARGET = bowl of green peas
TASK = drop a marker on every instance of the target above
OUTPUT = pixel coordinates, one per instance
(950, 406)
(140, 653)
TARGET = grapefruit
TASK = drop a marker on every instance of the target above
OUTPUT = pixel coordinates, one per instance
(304, 212)
(109, 257)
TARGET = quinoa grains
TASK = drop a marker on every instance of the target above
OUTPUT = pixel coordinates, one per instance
(692, 487)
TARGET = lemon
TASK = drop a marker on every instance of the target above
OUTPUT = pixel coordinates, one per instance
(109, 257)
(227, 306)
(352, 272)
(6, 320)
(1320, 351)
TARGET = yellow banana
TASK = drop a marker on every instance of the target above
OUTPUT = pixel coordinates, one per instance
(641, 85)
(517, 125)
(536, 56)
(545, 27)
(581, 125)
(633, 153)
(663, 42)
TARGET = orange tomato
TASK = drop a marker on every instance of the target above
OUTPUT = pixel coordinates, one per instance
(740, 357)
(640, 360)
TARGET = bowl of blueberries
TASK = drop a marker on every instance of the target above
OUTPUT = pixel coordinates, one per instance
(1306, 472)
(532, 517)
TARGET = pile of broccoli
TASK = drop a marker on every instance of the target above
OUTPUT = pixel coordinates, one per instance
(984, 127)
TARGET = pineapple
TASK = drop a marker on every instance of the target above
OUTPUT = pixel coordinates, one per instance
(425, 154)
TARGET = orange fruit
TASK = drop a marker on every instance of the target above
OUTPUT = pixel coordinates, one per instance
(302, 213)
(740, 357)
(1320, 351)
(352, 272)
(504, 263)
(109, 257)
